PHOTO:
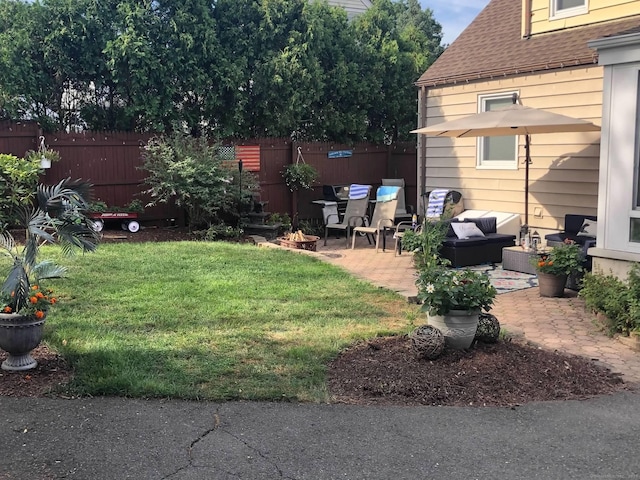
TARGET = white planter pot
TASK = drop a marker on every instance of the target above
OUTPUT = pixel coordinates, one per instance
(458, 327)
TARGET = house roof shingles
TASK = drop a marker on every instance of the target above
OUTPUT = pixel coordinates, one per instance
(492, 46)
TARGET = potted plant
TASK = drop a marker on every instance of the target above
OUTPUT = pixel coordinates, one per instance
(299, 176)
(45, 156)
(58, 216)
(453, 300)
(555, 266)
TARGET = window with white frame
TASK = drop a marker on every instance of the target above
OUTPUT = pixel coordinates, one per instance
(567, 8)
(497, 152)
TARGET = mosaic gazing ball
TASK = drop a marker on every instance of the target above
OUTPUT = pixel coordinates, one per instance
(427, 341)
(488, 328)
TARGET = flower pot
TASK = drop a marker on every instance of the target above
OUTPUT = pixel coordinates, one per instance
(458, 327)
(45, 162)
(551, 285)
(19, 335)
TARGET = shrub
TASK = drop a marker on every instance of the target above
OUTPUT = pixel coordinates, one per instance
(425, 243)
(18, 185)
(617, 300)
(193, 174)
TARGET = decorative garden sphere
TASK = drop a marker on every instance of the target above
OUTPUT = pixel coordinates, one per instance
(488, 328)
(427, 341)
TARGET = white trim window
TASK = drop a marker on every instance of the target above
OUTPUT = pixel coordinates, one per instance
(567, 8)
(497, 152)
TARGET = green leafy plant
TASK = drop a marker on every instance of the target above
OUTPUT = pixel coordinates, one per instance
(299, 176)
(443, 289)
(37, 155)
(283, 219)
(58, 216)
(40, 300)
(425, 244)
(617, 300)
(564, 259)
(18, 182)
(192, 173)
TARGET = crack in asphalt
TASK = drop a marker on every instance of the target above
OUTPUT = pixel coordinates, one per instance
(216, 426)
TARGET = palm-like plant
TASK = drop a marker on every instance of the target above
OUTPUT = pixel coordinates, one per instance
(58, 216)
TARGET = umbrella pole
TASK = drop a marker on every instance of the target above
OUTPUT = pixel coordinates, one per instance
(527, 161)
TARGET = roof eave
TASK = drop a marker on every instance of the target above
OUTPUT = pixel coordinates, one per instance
(506, 72)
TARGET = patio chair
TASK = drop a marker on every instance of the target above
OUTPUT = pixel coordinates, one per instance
(383, 214)
(403, 211)
(355, 214)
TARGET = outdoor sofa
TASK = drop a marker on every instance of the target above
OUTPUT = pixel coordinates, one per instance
(474, 241)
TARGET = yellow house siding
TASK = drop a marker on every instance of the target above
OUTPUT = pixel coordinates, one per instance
(599, 11)
(563, 177)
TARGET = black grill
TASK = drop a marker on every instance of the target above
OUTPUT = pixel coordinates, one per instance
(335, 193)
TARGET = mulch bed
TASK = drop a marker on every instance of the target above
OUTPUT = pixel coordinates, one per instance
(50, 375)
(387, 371)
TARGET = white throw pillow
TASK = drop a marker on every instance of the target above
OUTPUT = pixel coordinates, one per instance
(588, 228)
(466, 230)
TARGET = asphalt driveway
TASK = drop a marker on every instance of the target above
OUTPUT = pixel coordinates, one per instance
(115, 438)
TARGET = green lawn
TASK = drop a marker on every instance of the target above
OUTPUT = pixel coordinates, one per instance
(214, 321)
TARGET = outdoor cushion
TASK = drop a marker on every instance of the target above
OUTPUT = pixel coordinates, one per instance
(588, 228)
(464, 242)
(486, 224)
(466, 230)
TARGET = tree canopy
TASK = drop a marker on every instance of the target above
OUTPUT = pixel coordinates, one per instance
(224, 68)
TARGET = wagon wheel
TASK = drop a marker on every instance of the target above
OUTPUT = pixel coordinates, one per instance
(133, 226)
(98, 225)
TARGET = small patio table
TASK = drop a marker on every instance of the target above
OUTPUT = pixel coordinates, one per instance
(517, 259)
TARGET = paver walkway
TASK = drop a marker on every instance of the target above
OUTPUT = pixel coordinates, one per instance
(561, 324)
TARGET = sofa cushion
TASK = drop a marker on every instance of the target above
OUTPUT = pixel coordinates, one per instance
(573, 222)
(501, 238)
(588, 228)
(486, 224)
(466, 230)
(464, 242)
(450, 232)
(561, 237)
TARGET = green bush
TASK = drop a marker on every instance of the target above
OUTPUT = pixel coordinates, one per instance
(425, 243)
(191, 172)
(617, 300)
(220, 231)
(18, 184)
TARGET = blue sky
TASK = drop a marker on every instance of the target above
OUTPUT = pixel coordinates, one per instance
(454, 15)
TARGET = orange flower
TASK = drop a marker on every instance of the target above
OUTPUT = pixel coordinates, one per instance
(40, 295)
(33, 299)
(52, 300)
(7, 309)
(35, 287)
(541, 264)
(39, 314)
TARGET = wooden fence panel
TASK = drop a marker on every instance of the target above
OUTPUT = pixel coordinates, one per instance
(112, 161)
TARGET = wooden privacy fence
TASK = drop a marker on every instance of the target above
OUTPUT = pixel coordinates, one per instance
(112, 161)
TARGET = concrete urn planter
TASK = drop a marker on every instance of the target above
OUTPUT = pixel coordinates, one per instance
(19, 335)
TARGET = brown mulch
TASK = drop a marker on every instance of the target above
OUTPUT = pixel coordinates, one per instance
(51, 375)
(386, 371)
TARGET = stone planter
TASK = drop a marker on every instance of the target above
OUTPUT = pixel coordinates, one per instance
(18, 336)
(551, 285)
(458, 327)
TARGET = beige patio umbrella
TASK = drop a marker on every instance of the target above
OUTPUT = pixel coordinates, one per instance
(512, 120)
